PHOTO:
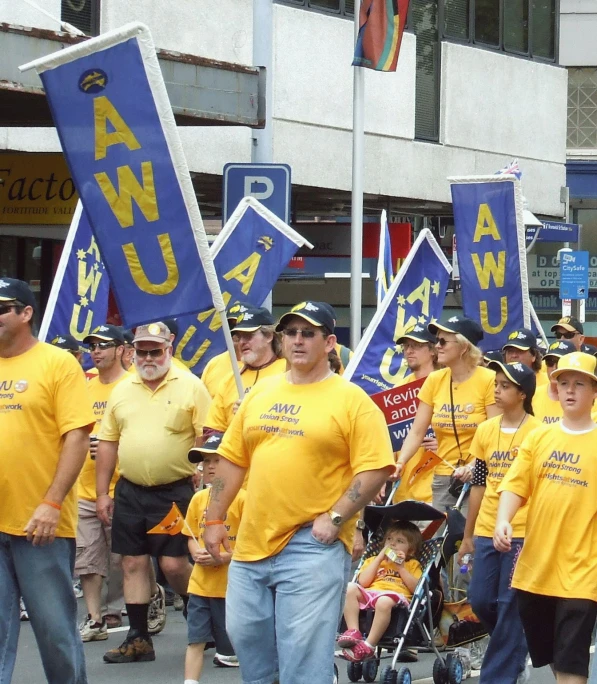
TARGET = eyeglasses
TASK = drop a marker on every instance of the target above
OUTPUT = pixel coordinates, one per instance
(566, 335)
(100, 345)
(293, 332)
(152, 353)
(442, 341)
(8, 307)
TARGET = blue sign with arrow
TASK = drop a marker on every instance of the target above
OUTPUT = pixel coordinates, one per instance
(574, 275)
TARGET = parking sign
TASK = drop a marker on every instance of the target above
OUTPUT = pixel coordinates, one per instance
(268, 183)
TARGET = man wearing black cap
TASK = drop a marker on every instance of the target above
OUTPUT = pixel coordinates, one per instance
(571, 329)
(521, 347)
(69, 344)
(318, 450)
(261, 356)
(546, 405)
(129, 350)
(45, 419)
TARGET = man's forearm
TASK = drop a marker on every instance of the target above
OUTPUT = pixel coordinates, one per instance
(72, 457)
(224, 487)
(105, 465)
(361, 491)
(509, 504)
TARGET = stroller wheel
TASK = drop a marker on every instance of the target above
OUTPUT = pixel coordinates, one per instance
(370, 670)
(440, 672)
(389, 676)
(403, 676)
(354, 671)
(455, 671)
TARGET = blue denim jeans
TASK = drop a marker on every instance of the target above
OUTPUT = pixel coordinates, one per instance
(494, 603)
(42, 575)
(282, 612)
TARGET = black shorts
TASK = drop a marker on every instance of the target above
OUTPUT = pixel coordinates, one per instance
(558, 631)
(138, 509)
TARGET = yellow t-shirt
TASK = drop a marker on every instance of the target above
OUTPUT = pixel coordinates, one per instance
(556, 470)
(471, 399)
(547, 410)
(155, 430)
(541, 377)
(387, 577)
(180, 365)
(220, 412)
(498, 449)
(339, 347)
(211, 581)
(304, 444)
(99, 393)
(43, 395)
(215, 371)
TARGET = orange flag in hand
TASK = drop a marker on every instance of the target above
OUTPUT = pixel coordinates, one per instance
(172, 524)
(427, 461)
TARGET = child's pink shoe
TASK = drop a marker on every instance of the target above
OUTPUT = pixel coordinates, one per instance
(359, 652)
(349, 638)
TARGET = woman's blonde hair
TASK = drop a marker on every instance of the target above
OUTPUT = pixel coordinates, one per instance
(471, 355)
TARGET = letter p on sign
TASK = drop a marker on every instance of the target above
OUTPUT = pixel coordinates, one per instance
(260, 187)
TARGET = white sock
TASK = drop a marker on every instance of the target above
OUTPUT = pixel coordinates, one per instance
(368, 644)
(191, 681)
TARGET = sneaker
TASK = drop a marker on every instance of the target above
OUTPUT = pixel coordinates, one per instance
(113, 621)
(178, 602)
(478, 649)
(225, 661)
(359, 652)
(156, 616)
(24, 613)
(349, 638)
(408, 655)
(91, 630)
(77, 588)
(134, 649)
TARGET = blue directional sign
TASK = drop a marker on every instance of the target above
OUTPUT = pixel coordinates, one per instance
(268, 183)
(553, 231)
(574, 275)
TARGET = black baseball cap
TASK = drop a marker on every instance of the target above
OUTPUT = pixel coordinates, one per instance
(172, 325)
(523, 339)
(493, 355)
(252, 318)
(106, 332)
(67, 342)
(318, 314)
(570, 324)
(589, 349)
(211, 444)
(459, 325)
(235, 310)
(519, 374)
(417, 333)
(560, 348)
(127, 335)
(12, 289)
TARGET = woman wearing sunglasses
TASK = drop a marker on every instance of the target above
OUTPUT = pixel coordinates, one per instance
(454, 401)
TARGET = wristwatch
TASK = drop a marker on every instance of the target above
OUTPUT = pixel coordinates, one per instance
(336, 518)
(360, 524)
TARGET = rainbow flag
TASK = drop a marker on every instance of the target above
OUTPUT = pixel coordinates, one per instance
(381, 25)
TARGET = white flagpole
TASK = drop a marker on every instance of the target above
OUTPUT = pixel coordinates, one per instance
(356, 234)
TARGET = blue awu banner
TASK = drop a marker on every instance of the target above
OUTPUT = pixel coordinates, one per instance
(492, 255)
(78, 300)
(117, 130)
(416, 296)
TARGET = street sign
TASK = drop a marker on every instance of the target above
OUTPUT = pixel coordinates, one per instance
(574, 275)
(553, 231)
(268, 183)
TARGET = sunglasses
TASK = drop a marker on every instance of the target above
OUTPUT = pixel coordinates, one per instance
(4, 309)
(151, 353)
(100, 345)
(293, 332)
(442, 341)
(566, 335)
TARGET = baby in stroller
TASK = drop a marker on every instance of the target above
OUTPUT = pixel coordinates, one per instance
(383, 581)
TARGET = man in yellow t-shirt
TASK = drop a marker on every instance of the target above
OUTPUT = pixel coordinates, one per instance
(318, 450)
(556, 575)
(45, 419)
(69, 344)
(261, 356)
(546, 406)
(152, 420)
(94, 562)
(569, 328)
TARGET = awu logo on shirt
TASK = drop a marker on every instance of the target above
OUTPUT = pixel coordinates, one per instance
(502, 456)
(99, 405)
(5, 385)
(564, 457)
(551, 419)
(285, 409)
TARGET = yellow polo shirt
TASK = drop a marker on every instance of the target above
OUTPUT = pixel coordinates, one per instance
(221, 410)
(303, 445)
(180, 365)
(556, 471)
(215, 371)
(155, 430)
(43, 395)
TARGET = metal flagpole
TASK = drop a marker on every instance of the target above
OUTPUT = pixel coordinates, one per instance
(356, 234)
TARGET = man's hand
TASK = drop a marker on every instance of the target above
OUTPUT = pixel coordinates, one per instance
(324, 529)
(41, 528)
(502, 536)
(397, 474)
(464, 474)
(467, 546)
(236, 406)
(214, 537)
(359, 545)
(93, 445)
(104, 507)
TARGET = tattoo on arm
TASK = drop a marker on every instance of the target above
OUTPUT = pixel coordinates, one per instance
(354, 493)
(217, 486)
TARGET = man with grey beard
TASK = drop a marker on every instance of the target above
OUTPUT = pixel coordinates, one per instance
(152, 420)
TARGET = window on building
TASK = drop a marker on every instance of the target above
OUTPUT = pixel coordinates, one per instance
(487, 22)
(544, 28)
(456, 19)
(82, 14)
(516, 26)
(344, 8)
(423, 20)
(582, 107)
(326, 5)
